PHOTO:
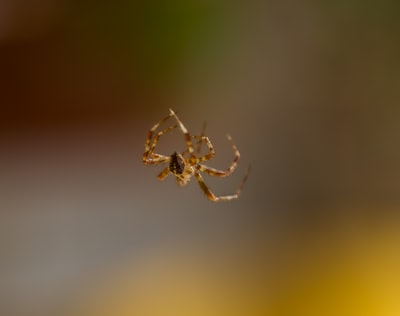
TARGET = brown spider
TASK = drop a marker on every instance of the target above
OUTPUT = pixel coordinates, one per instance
(184, 168)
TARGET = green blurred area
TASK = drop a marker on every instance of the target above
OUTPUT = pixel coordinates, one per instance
(152, 38)
(133, 52)
(153, 52)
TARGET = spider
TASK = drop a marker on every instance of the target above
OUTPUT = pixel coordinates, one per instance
(186, 164)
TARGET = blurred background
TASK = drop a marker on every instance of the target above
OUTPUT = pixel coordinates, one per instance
(309, 91)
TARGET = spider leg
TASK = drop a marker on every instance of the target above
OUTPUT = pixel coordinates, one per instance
(185, 132)
(210, 195)
(163, 174)
(156, 159)
(149, 157)
(198, 144)
(199, 137)
(148, 146)
(216, 172)
(208, 156)
(211, 153)
(158, 135)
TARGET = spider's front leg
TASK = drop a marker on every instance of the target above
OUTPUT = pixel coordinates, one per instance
(185, 132)
(149, 157)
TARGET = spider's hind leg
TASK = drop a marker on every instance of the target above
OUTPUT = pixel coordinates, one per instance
(163, 174)
(210, 195)
(243, 180)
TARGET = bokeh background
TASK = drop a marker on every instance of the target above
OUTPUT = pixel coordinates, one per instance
(309, 91)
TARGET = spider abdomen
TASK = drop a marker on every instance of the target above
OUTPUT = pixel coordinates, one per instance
(176, 164)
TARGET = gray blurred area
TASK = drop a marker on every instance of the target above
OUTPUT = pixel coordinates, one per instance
(310, 93)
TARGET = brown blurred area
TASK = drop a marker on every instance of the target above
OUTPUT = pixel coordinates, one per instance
(60, 66)
(310, 93)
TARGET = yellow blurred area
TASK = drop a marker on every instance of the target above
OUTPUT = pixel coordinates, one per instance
(349, 270)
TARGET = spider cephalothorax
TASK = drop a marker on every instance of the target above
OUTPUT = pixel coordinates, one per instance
(184, 168)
